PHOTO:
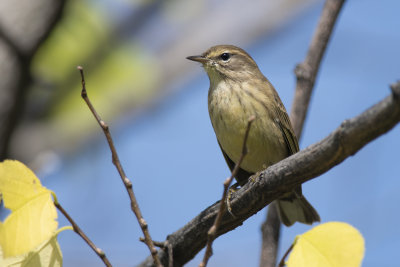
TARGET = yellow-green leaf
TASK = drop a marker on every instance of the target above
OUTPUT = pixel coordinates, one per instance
(33, 214)
(48, 254)
(333, 244)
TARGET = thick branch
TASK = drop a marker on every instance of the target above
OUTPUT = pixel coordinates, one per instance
(282, 177)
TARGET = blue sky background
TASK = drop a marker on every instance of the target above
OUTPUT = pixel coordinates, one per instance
(172, 157)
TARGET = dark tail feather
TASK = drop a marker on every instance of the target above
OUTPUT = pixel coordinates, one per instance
(296, 209)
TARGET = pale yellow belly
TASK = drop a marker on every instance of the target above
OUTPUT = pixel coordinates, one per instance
(229, 117)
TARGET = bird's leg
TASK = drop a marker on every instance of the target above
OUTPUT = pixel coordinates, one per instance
(232, 190)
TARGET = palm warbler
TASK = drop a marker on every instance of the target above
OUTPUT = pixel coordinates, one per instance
(238, 90)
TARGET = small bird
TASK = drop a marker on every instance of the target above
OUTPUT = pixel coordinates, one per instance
(238, 90)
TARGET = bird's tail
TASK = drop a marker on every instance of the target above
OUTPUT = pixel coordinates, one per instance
(296, 209)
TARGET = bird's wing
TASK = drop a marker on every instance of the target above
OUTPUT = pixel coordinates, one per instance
(282, 118)
(285, 125)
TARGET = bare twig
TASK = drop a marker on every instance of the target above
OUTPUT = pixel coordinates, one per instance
(282, 262)
(212, 232)
(164, 245)
(79, 231)
(306, 73)
(272, 183)
(128, 184)
(156, 243)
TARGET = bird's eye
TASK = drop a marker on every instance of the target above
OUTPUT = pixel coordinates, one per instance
(225, 56)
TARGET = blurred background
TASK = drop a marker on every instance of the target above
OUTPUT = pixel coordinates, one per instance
(133, 54)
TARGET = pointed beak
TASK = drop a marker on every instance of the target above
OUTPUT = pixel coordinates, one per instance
(200, 59)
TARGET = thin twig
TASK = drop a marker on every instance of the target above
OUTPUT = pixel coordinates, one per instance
(156, 243)
(306, 73)
(212, 232)
(79, 231)
(128, 184)
(164, 245)
(282, 262)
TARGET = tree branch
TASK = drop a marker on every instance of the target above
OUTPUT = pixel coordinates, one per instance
(17, 66)
(270, 231)
(127, 183)
(285, 175)
(82, 234)
(307, 71)
(306, 74)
